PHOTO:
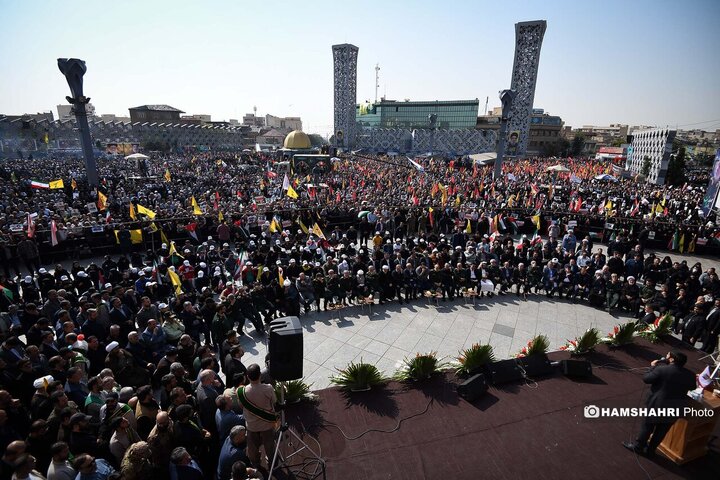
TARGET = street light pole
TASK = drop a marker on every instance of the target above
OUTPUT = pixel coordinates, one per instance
(506, 97)
(74, 69)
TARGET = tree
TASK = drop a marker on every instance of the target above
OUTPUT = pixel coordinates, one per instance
(578, 143)
(645, 166)
(676, 168)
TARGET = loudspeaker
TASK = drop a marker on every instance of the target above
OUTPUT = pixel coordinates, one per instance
(505, 371)
(536, 365)
(473, 388)
(576, 368)
(285, 349)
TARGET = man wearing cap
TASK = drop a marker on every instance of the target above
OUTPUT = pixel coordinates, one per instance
(81, 439)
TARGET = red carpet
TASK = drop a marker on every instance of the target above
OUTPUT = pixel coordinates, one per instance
(521, 431)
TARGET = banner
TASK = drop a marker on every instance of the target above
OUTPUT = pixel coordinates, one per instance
(712, 196)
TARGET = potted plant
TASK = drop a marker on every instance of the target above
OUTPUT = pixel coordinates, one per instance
(659, 329)
(358, 377)
(621, 335)
(419, 367)
(538, 345)
(472, 359)
(295, 390)
(583, 344)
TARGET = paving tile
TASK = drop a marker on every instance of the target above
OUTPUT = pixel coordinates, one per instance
(428, 343)
(359, 340)
(477, 335)
(377, 347)
(501, 345)
(391, 333)
(342, 357)
(324, 351)
(503, 330)
(367, 357)
(407, 340)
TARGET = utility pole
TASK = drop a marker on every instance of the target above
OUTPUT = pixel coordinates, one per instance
(377, 79)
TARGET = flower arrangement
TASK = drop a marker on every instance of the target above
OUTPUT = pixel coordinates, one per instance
(419, 367)
(539, 345)
(621, 335)
(473, 358)
(659, 329)
(583, 344)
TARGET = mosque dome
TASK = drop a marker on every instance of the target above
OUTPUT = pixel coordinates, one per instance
(297, 140)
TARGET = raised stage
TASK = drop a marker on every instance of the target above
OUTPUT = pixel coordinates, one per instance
(525, 430)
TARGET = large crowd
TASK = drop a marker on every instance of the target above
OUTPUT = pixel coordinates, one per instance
(132, 366)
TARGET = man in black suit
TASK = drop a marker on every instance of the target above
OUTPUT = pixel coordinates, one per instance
(712, 329)
(669, 383)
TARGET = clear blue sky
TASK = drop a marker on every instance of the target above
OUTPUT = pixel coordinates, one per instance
(637, 62)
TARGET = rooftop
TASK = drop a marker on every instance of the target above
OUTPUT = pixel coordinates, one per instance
(157, 108)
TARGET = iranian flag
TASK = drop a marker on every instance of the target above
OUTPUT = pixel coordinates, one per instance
(34, 184)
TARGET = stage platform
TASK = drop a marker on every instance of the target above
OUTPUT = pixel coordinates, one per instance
(533, 430)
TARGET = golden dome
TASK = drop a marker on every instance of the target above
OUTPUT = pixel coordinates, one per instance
(297, 140)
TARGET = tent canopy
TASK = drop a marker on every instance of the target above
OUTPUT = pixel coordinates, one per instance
(135, 156)
(484, 158)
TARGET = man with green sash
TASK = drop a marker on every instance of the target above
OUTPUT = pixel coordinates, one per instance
(258, 402)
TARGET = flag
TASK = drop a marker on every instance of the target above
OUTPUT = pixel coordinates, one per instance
(457, 201)
(536, 221)
(7, 292)
(163, 238)
(417, 166)
(274, 226)
(175, 281)
(152, 227)
(56, 184)
(292, 193)
(73, 184)
(216, 201)
(221, 217)
(317, 231)
(146, 211)
(635, 209)
(468, 227)
(196, 207)
(34, 184)
(534, 190)
(681, 243)
(108, 216)
(280, 276)
(674, 241)
(167, 175)
(430, 217)
(101, 201)
(191, 227)
(303, 227)
(158, 277)
(30, 226)
(133, 215)
(53, 233)
(286, 183)
(659, 209)
(135, 236)
(443, 198)
(172, 251)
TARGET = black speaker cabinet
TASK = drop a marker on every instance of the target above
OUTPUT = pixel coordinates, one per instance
(505, 371)
(285, 349)
(536, 365)
(473, 388)
(576, 368)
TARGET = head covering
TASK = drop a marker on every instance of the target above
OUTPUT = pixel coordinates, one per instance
(43, 382)
(42, 270)
(112, 346)
(162, 305)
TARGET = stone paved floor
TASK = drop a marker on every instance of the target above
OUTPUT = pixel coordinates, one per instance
(392, 332)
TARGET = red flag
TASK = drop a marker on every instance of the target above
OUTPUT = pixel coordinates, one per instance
(337, 197)
(30, 226)
(217, 201)
(53, 233)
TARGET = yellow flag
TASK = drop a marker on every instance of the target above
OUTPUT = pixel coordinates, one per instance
(608, 205)
(167, 175)
(221, 217)
(173, 250)
(303, 227)
(153, 228)
(659, 209)
(536, 221)
(175, 279)
(73, 184)
(135, 236)
(468, 228)
(196, 207)
(146, 211)
(133, 215)
(101, 201)
(291, 192)
(511, 201)
(280, 276)
(56, 184)
(443, 198)
(163, 238)
(316, 230)
(457, 201)
(274, 226)
(681, 245)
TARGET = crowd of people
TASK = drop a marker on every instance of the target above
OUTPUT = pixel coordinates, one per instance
(122, 367)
